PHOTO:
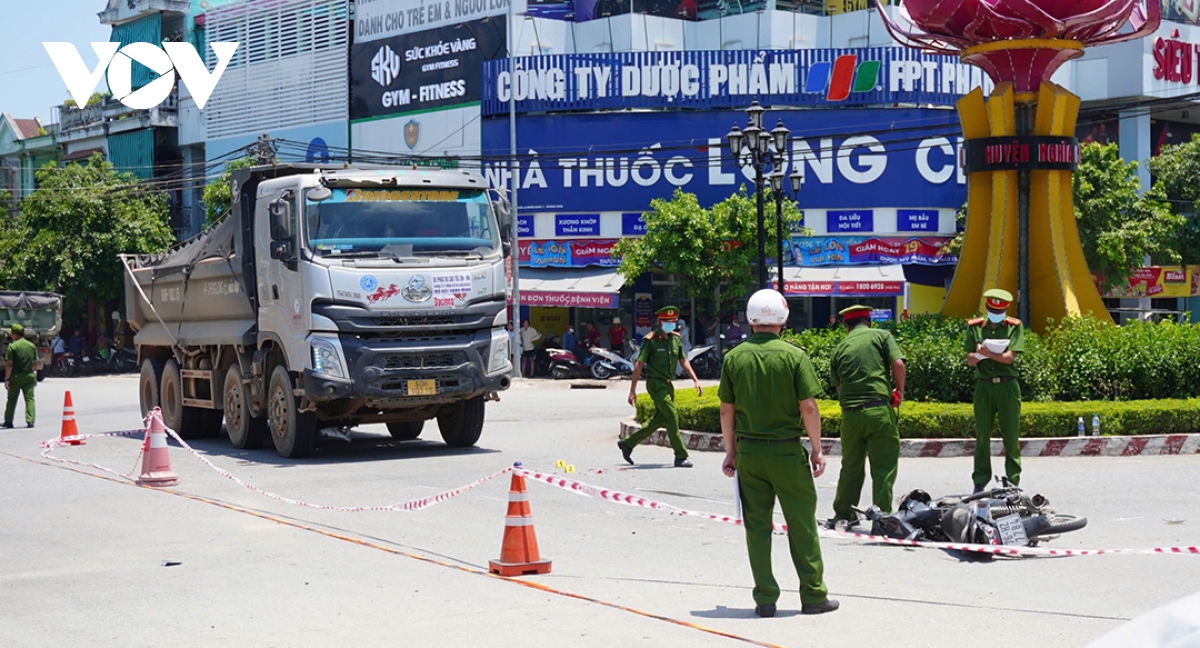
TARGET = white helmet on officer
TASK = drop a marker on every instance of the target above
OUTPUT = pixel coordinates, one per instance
(767, 308)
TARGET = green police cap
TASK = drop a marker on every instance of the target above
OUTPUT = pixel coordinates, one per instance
(998, 298)
(17, 329)
(668, 313)
(855, 312)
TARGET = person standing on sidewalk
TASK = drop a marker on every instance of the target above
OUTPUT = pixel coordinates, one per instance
(768, 402)
(860, 367)
(997, 393)
(529, 335)
(661, 350)
(19, 376)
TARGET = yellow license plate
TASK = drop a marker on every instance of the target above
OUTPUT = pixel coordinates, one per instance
(422, 388)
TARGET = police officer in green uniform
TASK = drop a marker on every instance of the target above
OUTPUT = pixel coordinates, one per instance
(768, 402)
(19, 376)
(661, 350)
(997, 393)
(860, 367)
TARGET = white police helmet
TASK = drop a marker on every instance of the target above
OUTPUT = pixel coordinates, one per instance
(767, 307)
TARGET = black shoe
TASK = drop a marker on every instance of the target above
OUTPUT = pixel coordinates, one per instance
(978, 489)
(29, 425)
(765, 610)
(7, 426)
(820, 608)
(683, 463)
(626, 451)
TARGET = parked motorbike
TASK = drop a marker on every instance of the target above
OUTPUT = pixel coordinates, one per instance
(606, 364)
(694, 358)
(999, 516)
(706, 362)
(123, 360)
(564, 364)
(66, 366)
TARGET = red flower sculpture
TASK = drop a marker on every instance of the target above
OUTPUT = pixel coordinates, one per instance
(952, 26)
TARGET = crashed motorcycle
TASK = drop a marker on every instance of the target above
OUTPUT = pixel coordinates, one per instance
(999, 516)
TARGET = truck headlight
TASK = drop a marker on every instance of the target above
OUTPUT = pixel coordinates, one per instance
(498, 361)
(327, 357)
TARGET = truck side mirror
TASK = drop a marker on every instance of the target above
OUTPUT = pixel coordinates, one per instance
(281, 219)
(504, 215)
(320, 194)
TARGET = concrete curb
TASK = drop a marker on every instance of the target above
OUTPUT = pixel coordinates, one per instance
(1108, 446)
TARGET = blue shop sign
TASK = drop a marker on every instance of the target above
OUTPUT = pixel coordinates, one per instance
(698, 79)
(525, 226)
(632, 224)
(620, 162)
(577, 225)
(850, 220)
(916, 220)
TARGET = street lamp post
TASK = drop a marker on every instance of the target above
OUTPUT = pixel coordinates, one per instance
(763, 149)
(777, 190)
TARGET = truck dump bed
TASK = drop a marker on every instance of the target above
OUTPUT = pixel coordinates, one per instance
(38, 312)
(194, 294)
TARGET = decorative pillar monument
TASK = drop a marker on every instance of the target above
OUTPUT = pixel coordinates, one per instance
(1020, 142)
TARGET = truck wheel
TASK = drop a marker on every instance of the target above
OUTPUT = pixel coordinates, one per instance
(405, 430)
(152, 369)
(293, 432)
(462, 423)
(188, 422)
(245, 431)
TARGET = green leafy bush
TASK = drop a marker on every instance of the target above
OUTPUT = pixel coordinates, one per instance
(1078, 359)
(957, 420)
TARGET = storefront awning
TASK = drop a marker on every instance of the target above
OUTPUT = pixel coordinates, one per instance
(844, 281)
(579, 288)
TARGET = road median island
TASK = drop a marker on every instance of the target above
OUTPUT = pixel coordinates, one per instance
(948, 429)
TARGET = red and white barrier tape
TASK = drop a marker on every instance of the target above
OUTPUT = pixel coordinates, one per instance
(589, 490)
(597, 492)
(59, 442)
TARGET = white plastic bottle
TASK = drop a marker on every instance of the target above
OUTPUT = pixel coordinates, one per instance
(1095, 425)
(1081, 433)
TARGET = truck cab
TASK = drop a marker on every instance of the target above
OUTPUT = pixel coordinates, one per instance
(347, 296)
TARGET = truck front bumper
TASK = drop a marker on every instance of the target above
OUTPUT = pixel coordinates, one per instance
(402, 372)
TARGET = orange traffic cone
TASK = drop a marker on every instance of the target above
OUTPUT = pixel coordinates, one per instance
(519, 552)
(156, 463)
(70, 433)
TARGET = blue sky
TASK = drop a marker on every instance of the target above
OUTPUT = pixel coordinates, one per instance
(29, 84)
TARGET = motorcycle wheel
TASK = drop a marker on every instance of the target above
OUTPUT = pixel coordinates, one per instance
(1063, 524)
(559, 372)
(600, 371)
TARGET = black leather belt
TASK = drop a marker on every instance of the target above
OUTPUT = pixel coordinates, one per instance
(997, 379)
(867, 405)
(753, 440)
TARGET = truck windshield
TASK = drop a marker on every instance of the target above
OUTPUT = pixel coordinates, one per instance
(408, 222)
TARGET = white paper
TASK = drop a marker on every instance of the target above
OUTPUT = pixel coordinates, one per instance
(979, 356)
(737, 497)
(996, 346)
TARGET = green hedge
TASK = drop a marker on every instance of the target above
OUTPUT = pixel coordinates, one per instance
(957, 420)
(1078, 359)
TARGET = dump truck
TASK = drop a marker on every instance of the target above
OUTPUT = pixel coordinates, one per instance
(41, 315)
(329, 297)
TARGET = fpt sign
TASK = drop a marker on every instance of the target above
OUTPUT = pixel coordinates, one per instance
(697, 79)
(117, 61)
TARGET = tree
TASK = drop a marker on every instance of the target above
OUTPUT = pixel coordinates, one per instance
(711, 253)
(72, 227)
(216, 196)
(1118, 225)
(1176, 172)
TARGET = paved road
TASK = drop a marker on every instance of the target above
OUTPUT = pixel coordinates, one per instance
(84, 552)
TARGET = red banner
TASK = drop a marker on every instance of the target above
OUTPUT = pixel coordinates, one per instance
(843, 288)
(562, 253)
